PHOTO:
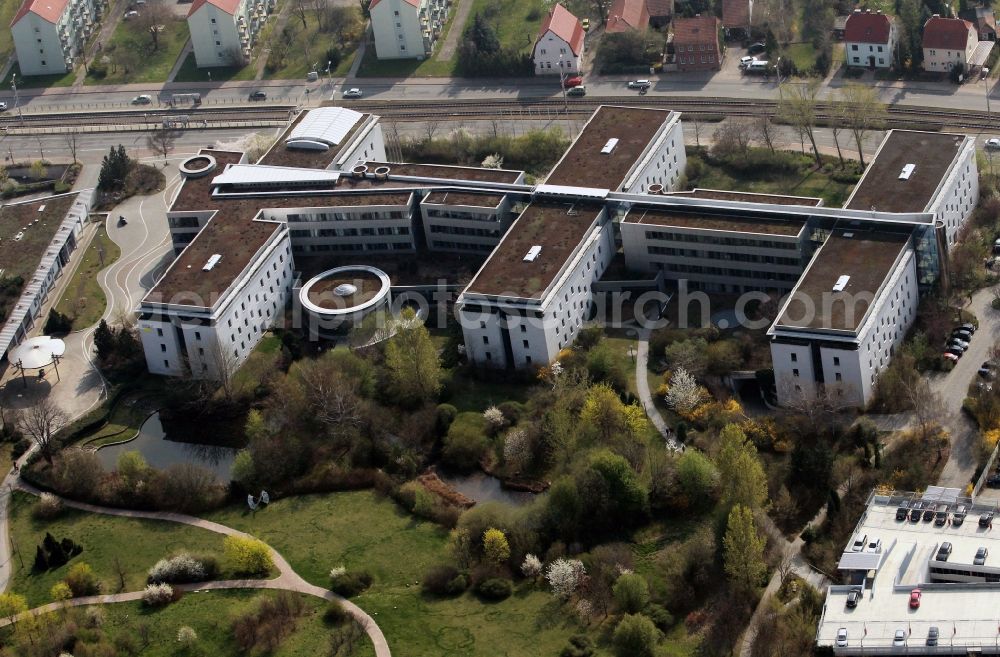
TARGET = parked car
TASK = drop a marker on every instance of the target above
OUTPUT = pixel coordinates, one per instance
(944, 551)
(746, 59)
(353, 92)
(932, 636)
(842, 637)
(941, 515)
(577, 91)
(958, 517)
(952, 357)
(968, 326)
(993, 481)
(959, 342)
(928, 513)
(574, 81)
(958, 351)
(915, 599)
(142, 99)
(874, 545)
(899, 638)
(915, 511)
(981, 555)
(854, 597)
(859, 543)
(258, 95)
(986, 370)
(756, 48)
(131, 13)
(3, 106)
(993, 144)
(639, 84)
(986, 519)
(585, 24)
(902, 510)
(962, 334)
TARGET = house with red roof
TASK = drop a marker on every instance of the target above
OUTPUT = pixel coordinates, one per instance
(407, 29)
(736, 16)
(626, 15)
(947, 42)
(559, 46)
(870, 39)
(49, 34)
(224, 31)
(696, 43)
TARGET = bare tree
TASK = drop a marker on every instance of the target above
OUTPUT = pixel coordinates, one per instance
(928, 412)
(41, 422)
(696, 126)
(331, 396)
(152, 20)
(225, 366)
(301, 9)
(733, 138)
(72, 140)
(862, 111)
(765, 132)
(797, 107)
(128, 58)
(161, 141)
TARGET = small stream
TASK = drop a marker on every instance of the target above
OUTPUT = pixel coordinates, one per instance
(481, 487)
(160, 452)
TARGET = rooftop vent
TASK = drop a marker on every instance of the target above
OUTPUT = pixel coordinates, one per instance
(907, 171)
(841, 283)
(212, 262)
(41, 208)
(533, 253)
(610, 145)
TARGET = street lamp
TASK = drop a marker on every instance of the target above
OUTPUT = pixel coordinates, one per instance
(17, 103)
(562, 84)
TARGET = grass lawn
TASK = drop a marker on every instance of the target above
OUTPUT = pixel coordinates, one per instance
(515, 21)
(476, 396)
(85, 302)
(37, 81)
(373, 67)
(361, 530)
(620, 343)
(124, 422)
(308, 52)
(209, 614)
(803, 56)
(138, 544)
(155, 64)
(808, 182)
(189, 72)
(7, 11)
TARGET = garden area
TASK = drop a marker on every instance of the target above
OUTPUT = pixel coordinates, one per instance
(84, 302)
(189, 72)
(304, 44)
(136, 54)
(37, 81)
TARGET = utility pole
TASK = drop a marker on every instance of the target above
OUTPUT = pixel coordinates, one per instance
(17, 103)
(562, 84)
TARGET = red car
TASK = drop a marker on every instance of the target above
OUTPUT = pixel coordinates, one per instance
(574, 81)
(915, 599)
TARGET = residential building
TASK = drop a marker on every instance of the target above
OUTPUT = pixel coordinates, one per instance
(559, 46)
(660, 12)
(696, 44)
(49, 34)
(948, 42)
(985, 21)
(224, 31)
(952, 562)
(736, 16)
(870, 39)
(407, 29)
(626, 15)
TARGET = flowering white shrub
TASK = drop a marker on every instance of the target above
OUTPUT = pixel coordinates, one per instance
(532, 566)
(182, 568)
(157, 595)
(565, 576)
(516, 450)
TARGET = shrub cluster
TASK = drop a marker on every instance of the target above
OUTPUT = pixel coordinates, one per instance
(445, 580)
(157, 595)
(350, 583)
(495, 588)
(184, 568)
(53, 554)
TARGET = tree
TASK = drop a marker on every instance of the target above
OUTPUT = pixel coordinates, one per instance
(132, 469)
(39, 170)
(743, 550)
(697, 478)
(516, 449)
(41, 422)
(248, 556)
(862, 112)
(12, 605)
(631, 592)
(331, 395)
(603, 410)
(301, 9)
(611, 493)
(688, 355)
(114, 169)
(797, 107)
(482, 35)
(411, 360)
(532, 566)
(152, 19)
(741, 475)
(82, 581)
(565, 576)
(684, 394)
(187, 638)
(161, 141)
(635, 636)
(732, 138)
(128, 57)
(928, 411)
(495, 546)
(60, 592)
(765, 131)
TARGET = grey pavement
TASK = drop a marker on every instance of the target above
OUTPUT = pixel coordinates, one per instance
(450, 43)
(642, 387)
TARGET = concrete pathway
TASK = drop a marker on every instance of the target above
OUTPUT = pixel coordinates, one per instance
(359, 55)
(287, 579)
(279, 26)
(185, 51)
(450, 44)
(642, 387)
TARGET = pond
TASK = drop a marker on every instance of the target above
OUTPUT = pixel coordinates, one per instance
(160, 452)
(481, 487)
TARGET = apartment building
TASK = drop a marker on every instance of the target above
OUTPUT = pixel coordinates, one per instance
(559, 46)
(50, 34)
(407, 29)
(870, 39)
(223, 32)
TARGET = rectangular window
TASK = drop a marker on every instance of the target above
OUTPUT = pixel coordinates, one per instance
(795, 358)
(839, 377)
(795, 372)
(486, 339)
(163, 348)
(159, 332)
(525, 343)
(836, 360)
(166, 363)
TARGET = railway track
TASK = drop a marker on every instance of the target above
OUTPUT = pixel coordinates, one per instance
(194, 115)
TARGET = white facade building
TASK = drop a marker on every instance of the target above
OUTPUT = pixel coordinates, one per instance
(224, 31)
(407, 29)
(559, 46)
(948, 42)
(49, 34)
(870, 39)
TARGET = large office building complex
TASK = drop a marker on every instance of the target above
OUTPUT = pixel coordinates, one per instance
(851, 276)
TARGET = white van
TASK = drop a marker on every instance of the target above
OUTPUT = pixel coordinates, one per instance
(758, 66)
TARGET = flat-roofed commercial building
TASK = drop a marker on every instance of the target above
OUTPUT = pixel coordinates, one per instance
(464, 222)
(950, 557)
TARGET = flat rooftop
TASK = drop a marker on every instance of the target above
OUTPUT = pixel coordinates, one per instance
(556, 227)
(867, 257)
(449, 172)
(881, 189)
(749, 197)
(470, 199)
(970, 612)
(730, 223)
(282, 156)
(584, 165)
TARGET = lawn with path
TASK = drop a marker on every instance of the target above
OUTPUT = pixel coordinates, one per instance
(189, 72)
(152, 65)
(361, 530)
(137, 544)
(83, 300)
